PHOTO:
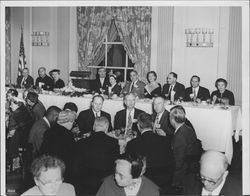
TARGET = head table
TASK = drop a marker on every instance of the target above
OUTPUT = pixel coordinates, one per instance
(214, 125)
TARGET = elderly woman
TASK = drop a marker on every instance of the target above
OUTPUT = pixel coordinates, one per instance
(153, 88)
(20, 122)
(128, 179)
(222, 94)
(48, 173)
(114, 87)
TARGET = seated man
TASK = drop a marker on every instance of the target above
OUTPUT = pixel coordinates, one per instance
(57, 81)
(196, 92)
(87, 117)
(25, 80)
(156, 149)
(135, 86)
(186, 147)
(101, 83)
(35, 105)
(173, 90)
(44, 81)
(127, 118)
(41, 126)
(95, 156)
(214, 177)
(59, 141)
(48, 173)
(160, 118)
(128, 179)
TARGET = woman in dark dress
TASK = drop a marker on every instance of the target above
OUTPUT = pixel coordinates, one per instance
(57, 82)
(153, 88)
(114, 87)
(222, 94)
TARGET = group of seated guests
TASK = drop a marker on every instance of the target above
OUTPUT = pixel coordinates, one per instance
(166, 141)
(109, 85)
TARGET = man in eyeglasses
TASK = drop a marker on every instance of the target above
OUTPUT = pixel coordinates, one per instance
(48, 176)
(214, 178)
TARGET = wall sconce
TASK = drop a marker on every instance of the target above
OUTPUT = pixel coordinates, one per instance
(199, 37)
(40, 38)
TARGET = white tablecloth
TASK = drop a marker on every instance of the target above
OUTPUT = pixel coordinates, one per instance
(214, 126)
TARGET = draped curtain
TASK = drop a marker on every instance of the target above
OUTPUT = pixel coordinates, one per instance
(7, 44)
(133, 25)
(93, 24)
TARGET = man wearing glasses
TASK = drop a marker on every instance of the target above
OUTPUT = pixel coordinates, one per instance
(214, 178)
(48, 173)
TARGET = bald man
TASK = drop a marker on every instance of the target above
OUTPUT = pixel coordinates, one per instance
(214, 177)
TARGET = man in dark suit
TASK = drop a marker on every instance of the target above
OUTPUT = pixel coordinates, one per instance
(173, 90)
(196, 92)
(87, 117)
(134, 86)
(25, 80)
(95, 157)
(127, 118)
(160, 118)
(156, 149)
(101, 83)
(186, 147)
(214, 178)
(41, 126)
(44, 81)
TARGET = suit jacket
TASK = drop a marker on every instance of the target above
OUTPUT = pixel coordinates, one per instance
(138, 88)
(159, 156)
(38, 110)
(36, 134)
(120, 119)
(27, 83)
(96, 85)
(227, 94)
(116, 90)
(47, 81)
(185, 144)
(193, 186)
(86, 119)
(165, 123)
(178, 88)
(110, 188)
(203, 94)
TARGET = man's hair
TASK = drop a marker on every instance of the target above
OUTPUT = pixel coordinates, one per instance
(52, 110)
(26, 68)
(45, 162)
(33, 97)
(174, 74)
(125, 97)
(13, 92)
(101, 122)
(134, 72)
(220, 80)
(71, 106)
(138, 163)
(42, 68)
(178, 113)
(100, 96)
(195, 76)
(144, 120)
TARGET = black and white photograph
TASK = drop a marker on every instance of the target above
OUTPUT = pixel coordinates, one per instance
(122, 98)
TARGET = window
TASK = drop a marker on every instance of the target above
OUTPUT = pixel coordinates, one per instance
(113, 56)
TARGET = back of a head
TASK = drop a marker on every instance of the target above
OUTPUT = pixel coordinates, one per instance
(213, 161)
(178, 114)
(70, 106)
(33, 97)
(101, 124)
(144, 120)
(52, 111)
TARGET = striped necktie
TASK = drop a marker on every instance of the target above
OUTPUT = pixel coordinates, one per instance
(130, 121)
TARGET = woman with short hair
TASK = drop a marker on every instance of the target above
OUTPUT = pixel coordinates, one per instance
(153, 88)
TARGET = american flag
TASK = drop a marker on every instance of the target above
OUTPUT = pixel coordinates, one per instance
(21, 61)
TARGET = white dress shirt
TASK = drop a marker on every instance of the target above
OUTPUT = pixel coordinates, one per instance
(96, 114)
(132, 115)
(133, 190)
(102, 81)
(46, 120)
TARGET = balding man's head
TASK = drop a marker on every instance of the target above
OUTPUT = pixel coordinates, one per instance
(101, 124)
(213, 166)
(159, 104)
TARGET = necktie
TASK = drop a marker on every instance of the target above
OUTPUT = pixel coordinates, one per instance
(130, 121)
(23, 82)
(131, 87)
(157, 121)
(96, 114)
(194, 94)
(210, 193)
(169, 92)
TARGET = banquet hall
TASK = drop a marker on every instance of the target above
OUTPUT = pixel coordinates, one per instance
(61, 61)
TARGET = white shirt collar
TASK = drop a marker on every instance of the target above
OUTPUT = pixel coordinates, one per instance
(218, 189)
(146, 130)
(133, 189)
(102, 80)
(98, 113)
(46, 120)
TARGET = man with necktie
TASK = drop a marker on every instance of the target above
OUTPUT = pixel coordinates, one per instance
(173, 90)
(87, 117)
(25, 80)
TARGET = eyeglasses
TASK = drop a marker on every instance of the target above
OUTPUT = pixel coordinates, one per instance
(210, 181)
(48, 184)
